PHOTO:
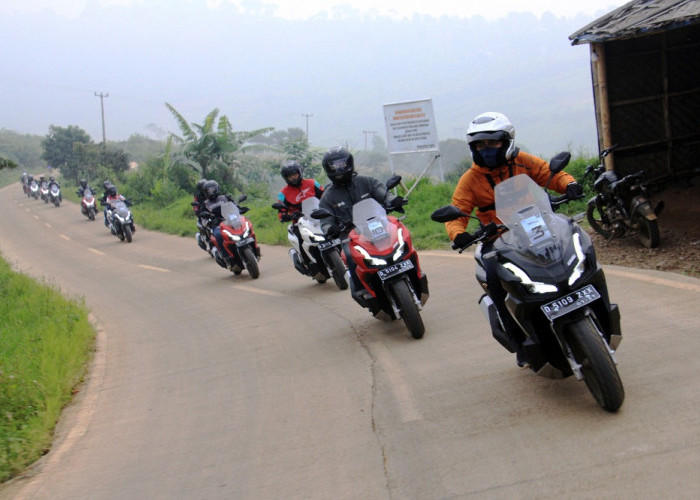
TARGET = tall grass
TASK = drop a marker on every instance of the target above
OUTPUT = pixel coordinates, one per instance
(45, 344)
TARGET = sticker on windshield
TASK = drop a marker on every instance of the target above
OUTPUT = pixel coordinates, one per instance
(376, 228)
(536, 229)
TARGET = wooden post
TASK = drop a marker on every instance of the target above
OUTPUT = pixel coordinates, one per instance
(600, 89)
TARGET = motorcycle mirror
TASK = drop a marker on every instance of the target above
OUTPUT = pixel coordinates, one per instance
(194, 203)
(393, 181)
(279, 206)
(447, 213)
(559, 161)
(320, 213)
(242, 198)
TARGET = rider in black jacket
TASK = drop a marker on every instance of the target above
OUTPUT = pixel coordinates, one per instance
(348, 188)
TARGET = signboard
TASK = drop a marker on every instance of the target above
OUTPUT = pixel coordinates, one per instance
(410, 127)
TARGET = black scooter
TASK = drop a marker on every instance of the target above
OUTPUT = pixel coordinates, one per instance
(556, 291)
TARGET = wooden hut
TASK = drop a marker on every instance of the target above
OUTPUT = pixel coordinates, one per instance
(645, 64)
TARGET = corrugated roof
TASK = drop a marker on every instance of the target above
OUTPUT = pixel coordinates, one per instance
(639, 18)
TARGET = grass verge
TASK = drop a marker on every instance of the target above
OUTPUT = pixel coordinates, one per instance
(45, 343)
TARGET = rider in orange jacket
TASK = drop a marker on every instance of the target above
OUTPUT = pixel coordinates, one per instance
(491, 139)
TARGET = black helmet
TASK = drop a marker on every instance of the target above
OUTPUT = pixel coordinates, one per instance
(106, 185)
(290, 168)
(52, 179)
(211, 189)
(199, 187)
(112, 190)
(339, 166)
(83, 183)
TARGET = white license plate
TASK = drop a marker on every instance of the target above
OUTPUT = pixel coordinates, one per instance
(394, 269)
(571, 302)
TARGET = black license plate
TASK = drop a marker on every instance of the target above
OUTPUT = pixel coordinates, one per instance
(394, 269)
(327, 244)
(245, 242)
(571, 302)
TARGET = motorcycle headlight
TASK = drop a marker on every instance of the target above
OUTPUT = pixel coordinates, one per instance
(234, 237)
(373, 261)
(580, 260)
(531, 286)
(400, 246)
(316, 238)
(247, 230)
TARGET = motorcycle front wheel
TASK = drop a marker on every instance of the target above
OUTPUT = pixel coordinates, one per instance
(409, 311)
(91, 213)
(598, 220)
(337, 269)
(251, 263)
(127, 232)
(647, 231)
(598, 368)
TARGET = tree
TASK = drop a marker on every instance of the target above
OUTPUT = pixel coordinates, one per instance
(60, 147)
(5, 163)
(212, 145)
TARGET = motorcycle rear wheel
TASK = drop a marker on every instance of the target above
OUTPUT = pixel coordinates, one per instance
(647, 231)
(127, 232)
(337, 270)
(598, 221)
(409, 311)
(598, 368)
(251, 263)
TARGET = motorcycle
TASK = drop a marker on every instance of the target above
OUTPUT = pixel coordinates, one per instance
(240, 250)
(622, 205)
(87, 204)
(55, 195)
(44, 191)
(387, 264)
(121, 220)
(318, 256)
(556, 291)
(34, 190)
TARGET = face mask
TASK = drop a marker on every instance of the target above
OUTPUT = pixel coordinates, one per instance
(490, 156)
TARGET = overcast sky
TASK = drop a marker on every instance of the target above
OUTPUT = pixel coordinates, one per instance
(199, 55)
(301, 9)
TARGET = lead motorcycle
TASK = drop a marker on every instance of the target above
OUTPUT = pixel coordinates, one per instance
(87, 204)
(622, 205)
(323, 255)
(556, 291)
(121, 220)
(387, 264)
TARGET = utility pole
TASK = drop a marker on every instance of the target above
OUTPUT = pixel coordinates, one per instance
(102, 106)
(368, 132)
(307, 116)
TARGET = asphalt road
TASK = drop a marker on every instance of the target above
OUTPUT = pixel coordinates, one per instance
(207, 385)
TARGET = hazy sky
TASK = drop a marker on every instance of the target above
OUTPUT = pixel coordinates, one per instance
(264, 64)
(301, 9)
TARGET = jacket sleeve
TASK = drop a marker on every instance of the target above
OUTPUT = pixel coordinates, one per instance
(462, 199)
(541, 172)
(318, 190)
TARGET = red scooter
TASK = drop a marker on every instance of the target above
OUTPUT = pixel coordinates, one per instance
(87, 204)
(241, 249)
(387, 264)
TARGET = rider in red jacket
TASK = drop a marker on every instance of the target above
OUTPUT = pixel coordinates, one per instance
(297, 190)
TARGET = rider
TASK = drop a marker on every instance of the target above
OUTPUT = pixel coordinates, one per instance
(347, 187)
(52, 181)
(297, 190)
(112, 197)
(213, 204)
(106, 185)
(491, 139)
(83, 187)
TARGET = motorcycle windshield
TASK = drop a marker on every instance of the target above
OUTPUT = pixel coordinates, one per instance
(372, 224)
(54, 189)
(231, 215)
(307, 206)
(120, 208)
(87, 194)
(534, 230)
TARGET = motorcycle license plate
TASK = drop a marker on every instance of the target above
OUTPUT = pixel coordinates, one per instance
(394, 269)
(570, 302)
(245, 242)
(328, 244)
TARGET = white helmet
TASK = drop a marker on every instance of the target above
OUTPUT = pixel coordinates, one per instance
(494, 126)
